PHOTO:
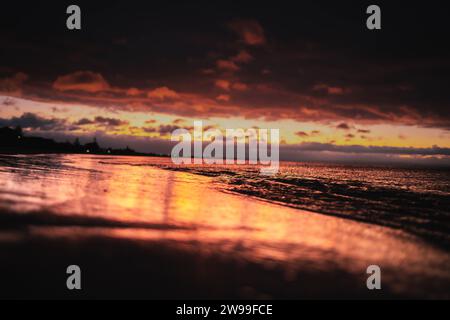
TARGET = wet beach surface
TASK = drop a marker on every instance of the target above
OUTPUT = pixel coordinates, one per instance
(138, 231)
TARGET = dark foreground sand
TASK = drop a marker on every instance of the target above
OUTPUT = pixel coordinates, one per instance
(160, 263)
(121, 268)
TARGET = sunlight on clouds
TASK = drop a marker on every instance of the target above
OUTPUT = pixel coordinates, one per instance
(82, 119)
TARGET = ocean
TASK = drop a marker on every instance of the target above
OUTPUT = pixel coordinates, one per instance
(414, 199)
(165, 231)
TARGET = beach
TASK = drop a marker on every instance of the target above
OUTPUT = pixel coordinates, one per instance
(140, 231)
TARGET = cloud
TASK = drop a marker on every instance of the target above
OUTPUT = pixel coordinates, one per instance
(343, 126)
(32, 121)
(314, 73)
(178, 121)
(227, 65)
(242, 57)
(133, 92)
(13, 85)
(271, 98)
(162, 93)
(164, 129)
(167, 129)
(223, 97)
(302, 134)
(223, 84)
(329, 89)
(359, 149)
(84, 122)
(110, 122)
(250, 32)
(9, 102)
(87, 81)
(306, 151)
(239, 86)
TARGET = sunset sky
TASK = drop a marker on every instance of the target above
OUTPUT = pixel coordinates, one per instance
(139, 70)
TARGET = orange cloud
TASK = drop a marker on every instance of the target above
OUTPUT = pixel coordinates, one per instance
(330, 90)
(242, 57)
(250, 32)
(224, 97)
(133, 92)
(82, 81)
(227, 65)
(223, 84)
(239, 86)
(162, 93)
(269, 101)
(227, 85)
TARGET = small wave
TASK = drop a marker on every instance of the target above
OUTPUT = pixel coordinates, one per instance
(370, 197)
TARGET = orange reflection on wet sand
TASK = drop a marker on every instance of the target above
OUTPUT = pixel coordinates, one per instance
(192, 212)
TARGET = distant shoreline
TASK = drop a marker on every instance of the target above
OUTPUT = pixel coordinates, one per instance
(37, 152)
(14, 141)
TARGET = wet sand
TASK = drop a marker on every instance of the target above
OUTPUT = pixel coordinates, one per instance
(141, 232)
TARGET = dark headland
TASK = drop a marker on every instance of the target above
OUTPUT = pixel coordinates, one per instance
(14, 141)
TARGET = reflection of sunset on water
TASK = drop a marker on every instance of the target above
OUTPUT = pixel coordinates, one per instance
(192, 213)
(185, 150)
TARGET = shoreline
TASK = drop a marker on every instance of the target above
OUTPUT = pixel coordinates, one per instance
(189, 240)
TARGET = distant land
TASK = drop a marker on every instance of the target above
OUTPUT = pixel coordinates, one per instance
(14, 141)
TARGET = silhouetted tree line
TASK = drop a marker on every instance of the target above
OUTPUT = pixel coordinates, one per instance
(13, 140)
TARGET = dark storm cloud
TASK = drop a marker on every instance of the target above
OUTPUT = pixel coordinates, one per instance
(33, 121)
(110, 122)
(343, 126)
(84, 122)
(38, 123)
(359, 149)
(324, 64)
(302, 134)
(166, 129)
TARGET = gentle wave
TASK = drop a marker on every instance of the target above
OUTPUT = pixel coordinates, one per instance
(412, 199)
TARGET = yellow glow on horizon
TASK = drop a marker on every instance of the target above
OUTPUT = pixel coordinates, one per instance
(291, 131)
